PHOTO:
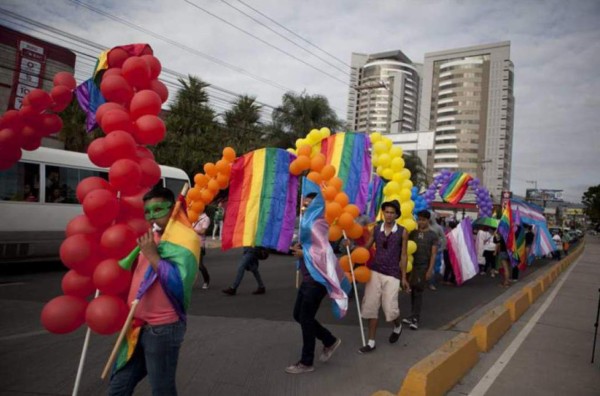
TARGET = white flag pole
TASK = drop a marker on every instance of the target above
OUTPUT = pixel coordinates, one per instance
(362, 331)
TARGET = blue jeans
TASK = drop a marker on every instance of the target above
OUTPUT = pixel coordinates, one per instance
(249, 263)
(155, 355)
(308, 301)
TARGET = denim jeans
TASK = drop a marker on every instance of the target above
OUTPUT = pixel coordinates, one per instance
(156, 355)
(249, 262)
(308, 301)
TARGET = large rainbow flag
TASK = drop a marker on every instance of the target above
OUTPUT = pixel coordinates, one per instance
(506, 227)
(262, 201)
(349, 153)
(455, 188)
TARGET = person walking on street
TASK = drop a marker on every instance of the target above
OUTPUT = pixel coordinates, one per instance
(200, 226)
(218, 221)
(388, 271)
(503, 257)
(249, 262)
(423, 262)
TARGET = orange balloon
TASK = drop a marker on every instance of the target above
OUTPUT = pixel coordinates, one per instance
(222, 166)
(342, 199)
(328, 172)
(222, 180)
(345, 221)
(315, 178)
(360, 255)
(345, 263)
(333, 209)
(317, 162)
(210, 169)
(192, 215)
(303, 162)
(194, 194)
(200, 180)
(227, 169)
(355, 232)
(362, 274)
(198, 206)
(213, 185)
(352, 209)
(335, 182)
(305, 150)
(329, 193)
(349, 276)
(329, 218)
(295, 168)
(335, 232)
(229, 154)
(207, 196)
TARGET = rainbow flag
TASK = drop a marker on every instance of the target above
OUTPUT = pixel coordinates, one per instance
(319, 258)
(102, 61)
(506, 227)
(519, 253)
(349, 153)
(375, 197)
(455, 188)
(262, 201)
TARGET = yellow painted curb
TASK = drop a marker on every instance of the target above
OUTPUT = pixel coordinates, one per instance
(441, 370)
(491, 327)
(382, 393)
(517, 305)
(534, 290)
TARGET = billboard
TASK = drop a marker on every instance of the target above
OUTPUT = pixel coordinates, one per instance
(544, 195)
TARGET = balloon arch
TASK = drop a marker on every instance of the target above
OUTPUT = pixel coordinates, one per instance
(452, 187)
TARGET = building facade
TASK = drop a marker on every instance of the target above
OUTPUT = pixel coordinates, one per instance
(467, 101)
(384, 93)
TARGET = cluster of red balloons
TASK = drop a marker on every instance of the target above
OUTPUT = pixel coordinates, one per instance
(113, 210)
(360, 257)
(207, 185)
(37, 118)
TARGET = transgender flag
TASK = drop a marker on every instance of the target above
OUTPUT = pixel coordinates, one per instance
(349, 153)
(461, 250)
(261, 210)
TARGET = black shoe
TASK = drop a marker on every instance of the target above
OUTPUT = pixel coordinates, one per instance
(414, 325)
(229, 290)
(394, 337)
(366, 349)
(260, 290)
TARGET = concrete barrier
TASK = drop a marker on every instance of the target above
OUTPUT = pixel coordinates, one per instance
(491, 327)
(440, 371)
(382, 393)
(517, 305)
(534, 290)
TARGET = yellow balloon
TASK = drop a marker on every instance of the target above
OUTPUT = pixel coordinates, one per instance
(388, 143)
(405, 174)
(397, 164)
(325, 133)
(291, 150)
(396, 151)
(407, 184)
(375, 137)
(405, 195)
(392, 188)
(379, 170)
(406, 208)
(409, 224)
(375, 160)
(392, 197)
(409, 264)
(379, 147)
(387, 174)
(411, 247)
(398, 178)
(384, 160)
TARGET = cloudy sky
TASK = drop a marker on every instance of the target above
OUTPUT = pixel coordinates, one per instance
(555, 46)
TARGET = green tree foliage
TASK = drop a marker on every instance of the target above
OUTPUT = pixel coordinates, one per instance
(417, 170)
(73, 133)
(591, 200)
(243, 129)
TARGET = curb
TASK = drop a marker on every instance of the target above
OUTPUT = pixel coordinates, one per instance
(437, 373)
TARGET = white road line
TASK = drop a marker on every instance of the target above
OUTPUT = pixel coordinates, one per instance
(490, 377)
(23, 335)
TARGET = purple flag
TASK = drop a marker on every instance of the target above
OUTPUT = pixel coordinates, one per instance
(89, 98)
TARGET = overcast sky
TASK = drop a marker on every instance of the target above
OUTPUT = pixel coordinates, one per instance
(555, 47)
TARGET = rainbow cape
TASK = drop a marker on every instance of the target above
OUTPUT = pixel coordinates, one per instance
(319, 258)
(262, 201)
(455, 188)
(349, 153)
(179, 249)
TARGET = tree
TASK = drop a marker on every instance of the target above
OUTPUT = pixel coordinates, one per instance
(73, 133)
(298, 115)
(243, 129)
(591, 200)
(413, 163)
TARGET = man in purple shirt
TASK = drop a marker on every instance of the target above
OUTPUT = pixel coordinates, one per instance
(388, 268)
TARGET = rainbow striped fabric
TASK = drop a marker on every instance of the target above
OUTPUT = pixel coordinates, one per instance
(262, 201)
(349, 153)
(455, 188)
(506, 227)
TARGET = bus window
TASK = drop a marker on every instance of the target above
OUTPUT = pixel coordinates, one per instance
(61, 182)
(175, 185)
(21, 182)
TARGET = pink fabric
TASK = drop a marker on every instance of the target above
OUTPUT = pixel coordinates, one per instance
(202, 224)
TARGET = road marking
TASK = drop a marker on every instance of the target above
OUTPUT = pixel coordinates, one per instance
(490, 377)
(23, 335)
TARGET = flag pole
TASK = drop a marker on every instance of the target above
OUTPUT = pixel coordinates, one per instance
(362, 331)
(134, 303)
(86, 343)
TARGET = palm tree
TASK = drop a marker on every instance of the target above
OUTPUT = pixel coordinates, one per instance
(243, 129)
(414, 164)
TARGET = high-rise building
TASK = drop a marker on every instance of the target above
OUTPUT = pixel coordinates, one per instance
(467, 100)
(384, 93)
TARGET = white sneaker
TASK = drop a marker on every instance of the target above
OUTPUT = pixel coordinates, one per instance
(205, 285)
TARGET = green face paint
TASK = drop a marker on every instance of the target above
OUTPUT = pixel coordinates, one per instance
(157, 210)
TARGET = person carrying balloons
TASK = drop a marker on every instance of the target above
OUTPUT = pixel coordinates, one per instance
(387, 269)
(162, 283)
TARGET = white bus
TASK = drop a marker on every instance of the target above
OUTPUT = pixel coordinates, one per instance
(37, 200)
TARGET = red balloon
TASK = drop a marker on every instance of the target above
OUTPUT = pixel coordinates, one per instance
(90, 184)
(9, 157)
(10, 140)
(146, 102)
(116, 120)
(144, 152)
(27, 112)
(149, 130)
(116, 57)
(132, 206)
(110, 278)
(120, 144)
(150, 172)
(31, 142)
(77, 252)
(51, 123)
(39, 99)
(75, 284)
(106, 314)
(161, 89)
(139, 225)
(116, 89)
(101, 207)
(11, 119)
(136, 71)
(104, 108)
(113, 71)
(65, 79)
(80, 224)
(153, 64)
(98, 153)
(62, 96)
(118, 240)
(64, 314)
(125, 175)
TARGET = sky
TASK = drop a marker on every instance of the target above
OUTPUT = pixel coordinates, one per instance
(555, 47)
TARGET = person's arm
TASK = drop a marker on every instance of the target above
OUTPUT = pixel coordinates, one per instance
(434, 250)
(403, 260)
(203, 226)
(149, 249)
(371, 239)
